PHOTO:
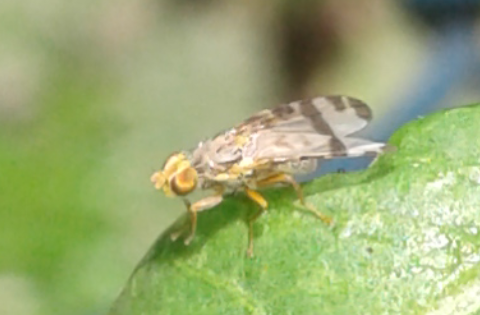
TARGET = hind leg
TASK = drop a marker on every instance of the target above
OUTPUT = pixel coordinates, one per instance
(288, 179)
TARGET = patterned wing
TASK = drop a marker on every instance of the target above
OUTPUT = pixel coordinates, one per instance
(316, 128)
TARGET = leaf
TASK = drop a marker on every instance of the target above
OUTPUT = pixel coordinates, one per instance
(405, 240)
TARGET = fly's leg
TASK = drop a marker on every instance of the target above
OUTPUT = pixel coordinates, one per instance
(284, 178)
(257, 198)
(201, 205)
(175, 235)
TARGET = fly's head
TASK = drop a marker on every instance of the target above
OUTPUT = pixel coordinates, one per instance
(177, 178)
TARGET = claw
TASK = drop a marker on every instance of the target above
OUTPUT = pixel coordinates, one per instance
(189, 239)
(174, 236)
(326, 219)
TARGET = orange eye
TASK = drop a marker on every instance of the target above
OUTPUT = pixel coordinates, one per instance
(184, 181)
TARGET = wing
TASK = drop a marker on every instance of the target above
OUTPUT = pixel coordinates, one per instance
(316, 128)
(339, 115)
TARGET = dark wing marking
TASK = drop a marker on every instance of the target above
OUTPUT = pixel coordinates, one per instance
(340, 115)
(316, 128)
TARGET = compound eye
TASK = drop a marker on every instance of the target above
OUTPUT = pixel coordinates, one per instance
(184, 181)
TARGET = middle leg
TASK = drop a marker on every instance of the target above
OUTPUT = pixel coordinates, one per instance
(257, 198)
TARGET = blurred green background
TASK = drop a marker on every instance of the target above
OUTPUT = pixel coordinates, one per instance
(94, 95)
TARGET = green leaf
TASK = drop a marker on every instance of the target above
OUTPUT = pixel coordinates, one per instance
(405, 240)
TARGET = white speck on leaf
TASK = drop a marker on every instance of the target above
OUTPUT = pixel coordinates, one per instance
(443, 181)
